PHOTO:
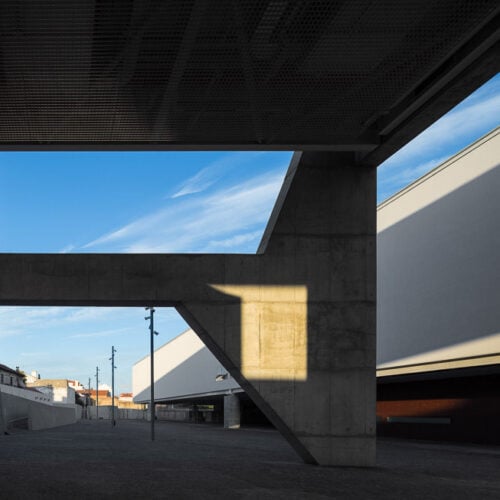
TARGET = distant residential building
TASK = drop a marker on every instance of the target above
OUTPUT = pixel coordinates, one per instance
(48, 391)
(103, 393)
(61, 390)
(76, 385)
(32, 377)
(8, 376)
(125, 400)
(90, 396)
(126, 397)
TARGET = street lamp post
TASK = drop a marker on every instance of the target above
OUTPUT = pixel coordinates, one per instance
(88, 402)
(152, 375)
(112, 359)
(97, 393)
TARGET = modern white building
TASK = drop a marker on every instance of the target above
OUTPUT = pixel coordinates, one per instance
(186, 371)
(439, 266)
(438, 351)
(438, 314)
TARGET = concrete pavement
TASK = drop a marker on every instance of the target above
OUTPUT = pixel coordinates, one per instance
(91, 459)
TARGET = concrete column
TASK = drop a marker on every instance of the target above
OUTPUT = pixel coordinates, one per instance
(295, 325)
(232, 412)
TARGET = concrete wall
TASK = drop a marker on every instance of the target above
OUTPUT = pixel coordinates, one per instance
(131, 414)
(174, 414)
(120, 413)
(183, 367)
(17, 403)
(438, 266)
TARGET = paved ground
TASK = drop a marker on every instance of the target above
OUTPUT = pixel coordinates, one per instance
(93, 460)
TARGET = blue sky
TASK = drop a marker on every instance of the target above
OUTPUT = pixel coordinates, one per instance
(212, 202)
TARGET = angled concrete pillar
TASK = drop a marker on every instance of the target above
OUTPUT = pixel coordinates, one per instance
(295, 325)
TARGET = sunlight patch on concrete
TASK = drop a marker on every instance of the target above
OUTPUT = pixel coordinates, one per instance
(273, 330)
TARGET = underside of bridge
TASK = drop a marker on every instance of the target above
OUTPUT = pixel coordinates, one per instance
(344, 83)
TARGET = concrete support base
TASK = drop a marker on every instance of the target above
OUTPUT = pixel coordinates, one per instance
(232, 412)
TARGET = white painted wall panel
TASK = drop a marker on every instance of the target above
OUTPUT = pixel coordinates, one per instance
(183, 367)
(438, 265)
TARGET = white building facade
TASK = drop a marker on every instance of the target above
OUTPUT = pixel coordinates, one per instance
(184, 369)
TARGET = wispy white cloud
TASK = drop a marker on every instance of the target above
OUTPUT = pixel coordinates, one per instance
(235, 241)
(19, 320)
(25, 320)
(79, 314)
(405, 175)
(196, 224)
(39, 354)
(471, 119)
(100, 333)
(67, 248)
(209, 175)
(446, 132)
(199, 182)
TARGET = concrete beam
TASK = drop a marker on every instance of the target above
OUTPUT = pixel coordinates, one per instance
(294, 325)
(111, 279)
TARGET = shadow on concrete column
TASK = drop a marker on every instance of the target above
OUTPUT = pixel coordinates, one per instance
(295, 325)
(232, 412)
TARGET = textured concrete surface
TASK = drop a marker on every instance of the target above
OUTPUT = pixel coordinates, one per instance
(232, 412)
(20, 404)
(188, 461)
(294, 325)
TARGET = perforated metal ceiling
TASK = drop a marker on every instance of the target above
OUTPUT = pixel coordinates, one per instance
(225, 72)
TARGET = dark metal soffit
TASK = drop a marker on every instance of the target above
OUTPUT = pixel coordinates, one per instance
(263, 75)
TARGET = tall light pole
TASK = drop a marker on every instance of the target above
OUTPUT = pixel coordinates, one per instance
(88, 401)
(152, 378)
(112, 359)
(97, 392)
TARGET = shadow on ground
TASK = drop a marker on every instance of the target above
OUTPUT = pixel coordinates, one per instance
(93, 460)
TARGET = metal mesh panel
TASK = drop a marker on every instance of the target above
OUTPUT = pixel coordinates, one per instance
(225, 72)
